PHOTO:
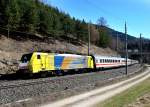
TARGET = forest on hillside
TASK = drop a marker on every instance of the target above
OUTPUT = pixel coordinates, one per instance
(33, 16)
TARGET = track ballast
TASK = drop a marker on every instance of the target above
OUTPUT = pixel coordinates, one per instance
(57, 87)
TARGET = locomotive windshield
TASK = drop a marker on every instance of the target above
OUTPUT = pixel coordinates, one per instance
(26, 57)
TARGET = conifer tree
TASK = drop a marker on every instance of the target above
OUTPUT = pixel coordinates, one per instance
(13, 15)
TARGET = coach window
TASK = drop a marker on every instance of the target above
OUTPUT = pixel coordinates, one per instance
(96, 61)
(100, 60)
(38, 57)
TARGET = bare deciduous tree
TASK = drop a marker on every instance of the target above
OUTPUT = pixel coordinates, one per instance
(94, 34)
(102, 21)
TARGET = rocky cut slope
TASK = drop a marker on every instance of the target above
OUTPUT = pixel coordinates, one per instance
(11, 49)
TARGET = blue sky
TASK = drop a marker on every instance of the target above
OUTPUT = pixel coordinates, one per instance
(135, 12)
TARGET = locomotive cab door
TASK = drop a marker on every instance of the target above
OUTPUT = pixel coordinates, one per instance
(42, 61)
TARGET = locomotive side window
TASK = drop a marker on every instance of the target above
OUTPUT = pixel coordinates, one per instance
(96, 61)
(100, 61)
(38, 57)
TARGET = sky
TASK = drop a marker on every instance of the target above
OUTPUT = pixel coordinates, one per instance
(136, 13)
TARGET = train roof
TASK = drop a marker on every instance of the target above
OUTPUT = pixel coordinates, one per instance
(107, 57)
(72, 55)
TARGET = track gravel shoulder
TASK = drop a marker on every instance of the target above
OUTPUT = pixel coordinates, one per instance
(57, 87)
(89, 99)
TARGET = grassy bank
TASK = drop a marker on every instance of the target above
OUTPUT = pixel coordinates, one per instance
(128, 96)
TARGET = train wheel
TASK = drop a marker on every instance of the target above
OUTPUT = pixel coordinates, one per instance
(91, 70)
(43, 74)
(58, 72)
(19, 74)
(80, 71)
(30, 75)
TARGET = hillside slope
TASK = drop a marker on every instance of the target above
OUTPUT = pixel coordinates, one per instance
(11, 50)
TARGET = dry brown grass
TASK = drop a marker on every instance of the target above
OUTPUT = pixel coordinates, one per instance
(11, 49)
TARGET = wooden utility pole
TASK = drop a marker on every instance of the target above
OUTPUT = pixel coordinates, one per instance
(89, 36)
(8, 31)
(117, 43)
(126, 48)
(141, 59)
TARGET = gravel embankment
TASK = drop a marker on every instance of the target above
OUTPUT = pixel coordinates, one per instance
(58, 87)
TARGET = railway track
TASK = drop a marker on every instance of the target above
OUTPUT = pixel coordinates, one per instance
(35, 82)
(11, 91)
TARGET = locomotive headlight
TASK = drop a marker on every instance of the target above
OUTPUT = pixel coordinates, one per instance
(23, 65)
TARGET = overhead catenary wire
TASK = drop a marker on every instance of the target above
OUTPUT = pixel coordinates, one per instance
(100, 10)
(118, 19)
